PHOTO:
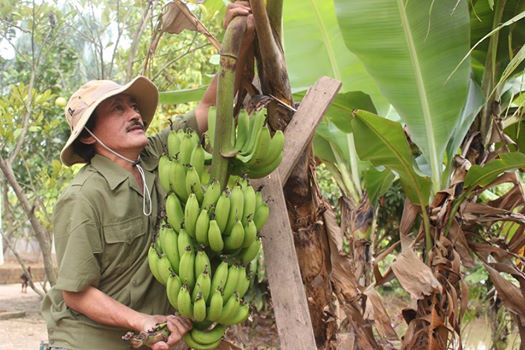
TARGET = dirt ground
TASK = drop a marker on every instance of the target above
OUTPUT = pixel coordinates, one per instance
(22, 332)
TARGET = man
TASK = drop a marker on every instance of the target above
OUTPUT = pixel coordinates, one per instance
(104, 222)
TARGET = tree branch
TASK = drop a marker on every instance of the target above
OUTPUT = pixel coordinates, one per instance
(136, 38)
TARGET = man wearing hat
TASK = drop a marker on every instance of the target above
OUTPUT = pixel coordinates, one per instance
(105, 220)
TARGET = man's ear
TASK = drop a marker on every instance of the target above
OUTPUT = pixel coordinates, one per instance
(88, 139)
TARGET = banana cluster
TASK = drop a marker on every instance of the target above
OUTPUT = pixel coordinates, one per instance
(258, 153)
(209, 238)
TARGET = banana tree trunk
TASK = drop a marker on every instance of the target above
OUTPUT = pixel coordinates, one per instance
(301, 190)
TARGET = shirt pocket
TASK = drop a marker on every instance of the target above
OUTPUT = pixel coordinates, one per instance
(124, 243)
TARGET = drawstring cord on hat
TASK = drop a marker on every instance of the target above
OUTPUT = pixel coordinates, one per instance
(146, 194)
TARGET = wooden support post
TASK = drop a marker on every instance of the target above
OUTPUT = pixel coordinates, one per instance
(284, 276)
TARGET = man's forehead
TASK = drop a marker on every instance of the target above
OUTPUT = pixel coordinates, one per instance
(121, 98)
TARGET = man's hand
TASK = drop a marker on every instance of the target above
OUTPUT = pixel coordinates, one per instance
(238, 8)
(178, 326)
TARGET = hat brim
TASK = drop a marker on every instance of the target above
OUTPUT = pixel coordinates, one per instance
(141, 89)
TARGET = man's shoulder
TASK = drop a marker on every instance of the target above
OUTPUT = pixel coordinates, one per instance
(84, 184)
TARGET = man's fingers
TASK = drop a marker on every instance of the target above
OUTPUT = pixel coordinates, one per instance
(160, 345)
(241, 8)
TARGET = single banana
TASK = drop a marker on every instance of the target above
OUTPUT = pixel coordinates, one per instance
(250, 234)
(178, 180)
(191, 213)
(195, 138)
(261, 216)
(236, 237)
(220, 276)
(204, 283)
(259, 200)
(243, 283)
(215, 237)
(257, 173)
(187, 267)
(153, 261)
(202, 262)
(186, 148)
(231, 282)
(164, 173)
(197, 159)
(230, 309)
(162, 236)
(222, 210)
(250, 253)
(198, 346)
(193, 183)
(211, 195)
(236, 208)
(208, 336)
(249, 203)
(201, 227)
(171, 248)
(243, 128)
(216, 304)
(275, 148)
(261, 149)
(256, 125)
(164, 269)
(174, 138)
(183, 241)
(184, 304)
(172, 289)
(242, 314)
(199, 308)
(174, 211)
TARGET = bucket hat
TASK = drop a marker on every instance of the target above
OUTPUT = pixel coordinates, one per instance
(84, 101)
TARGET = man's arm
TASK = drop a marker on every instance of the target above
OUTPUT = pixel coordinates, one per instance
(103, 309)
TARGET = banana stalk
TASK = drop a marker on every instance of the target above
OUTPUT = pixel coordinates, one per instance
(224, 141)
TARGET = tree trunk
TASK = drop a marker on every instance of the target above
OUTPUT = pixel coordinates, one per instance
(42, 235)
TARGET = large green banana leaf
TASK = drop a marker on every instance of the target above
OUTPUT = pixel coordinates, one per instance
(484, 175)
(181, 96)
(410, 48)
(383, 142)
(314, 46)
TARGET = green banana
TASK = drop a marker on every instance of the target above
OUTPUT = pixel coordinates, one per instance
(243, 283)
(153, 261)
(240, 316)
(178, 180)
(243, 128)
(198, 346)
(209, 336)
(174, 138)
(230, 309)
(261, 148)
(211, 195)
(193, 183)
(195, 138)
(250, 234)
(187, 267)
(174, 211)
(199, 308)
(274, 148)
(249, 203)
(259, 200)
(197, 159)
(236, 208)
(184, 304)
(256, 125)
(201, 227)
(164, 173)
(231, 282)
(220, 276)
(162, 236)
(183, 241)
(171, 248)
(261, 216)
(164, 269)
(191, 213)
(216, 304)
(204, 283)
(186, 147)
(214, 237)
(250, 253)
(236, 237)
(172, 289)
(222, 210)
(257, 173)
(202, 262)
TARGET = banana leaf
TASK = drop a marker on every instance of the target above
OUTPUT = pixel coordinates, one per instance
(377, 182)
(410, 48)
(181, 96)
(383, 142)
(484, 175)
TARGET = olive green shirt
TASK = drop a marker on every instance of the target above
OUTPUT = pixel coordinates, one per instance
(102, 239)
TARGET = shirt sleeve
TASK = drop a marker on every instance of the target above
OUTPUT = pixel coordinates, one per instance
(78, 241)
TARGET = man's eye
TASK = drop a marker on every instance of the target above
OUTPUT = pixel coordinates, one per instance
(135, 107)
(118, 108)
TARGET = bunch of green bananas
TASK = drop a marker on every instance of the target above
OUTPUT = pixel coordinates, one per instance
(258, 153)
(209, 237)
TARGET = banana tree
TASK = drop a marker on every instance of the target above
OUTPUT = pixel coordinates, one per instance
(426, 43)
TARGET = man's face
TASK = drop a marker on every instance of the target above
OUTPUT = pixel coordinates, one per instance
(119, 124)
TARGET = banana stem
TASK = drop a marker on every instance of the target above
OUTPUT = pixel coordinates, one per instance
(224, 141)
